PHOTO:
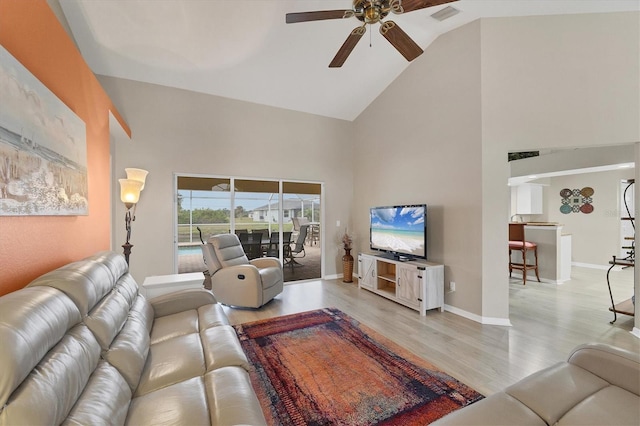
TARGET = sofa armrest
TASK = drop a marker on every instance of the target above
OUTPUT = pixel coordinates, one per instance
(265, 262)
(615, 365)
(180, 301)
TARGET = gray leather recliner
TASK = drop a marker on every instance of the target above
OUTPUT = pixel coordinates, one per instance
(236, 280)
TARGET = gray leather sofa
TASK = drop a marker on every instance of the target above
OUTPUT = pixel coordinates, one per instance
(597, 385)
(80, 345)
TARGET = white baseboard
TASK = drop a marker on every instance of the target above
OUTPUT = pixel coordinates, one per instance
(635, 332)
(533, 279)
(595, 266)
(477, 318)
(333, 277)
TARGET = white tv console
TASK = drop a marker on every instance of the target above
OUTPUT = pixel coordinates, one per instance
(416, 284)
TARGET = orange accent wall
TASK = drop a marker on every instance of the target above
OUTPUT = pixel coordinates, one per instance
(33, 245)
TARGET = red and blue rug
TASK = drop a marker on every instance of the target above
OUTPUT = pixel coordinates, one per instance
(323, 367)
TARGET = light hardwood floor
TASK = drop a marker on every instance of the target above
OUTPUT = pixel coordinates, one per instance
(548, 321)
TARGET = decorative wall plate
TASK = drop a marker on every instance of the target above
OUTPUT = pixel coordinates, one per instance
(576, 200)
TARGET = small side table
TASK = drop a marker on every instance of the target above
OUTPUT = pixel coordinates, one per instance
(162, 284)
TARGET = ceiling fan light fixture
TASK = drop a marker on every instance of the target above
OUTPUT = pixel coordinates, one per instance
(445, 13)
(372, 12)
(371, 15)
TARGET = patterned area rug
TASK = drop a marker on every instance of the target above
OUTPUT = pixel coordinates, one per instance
(323, 367)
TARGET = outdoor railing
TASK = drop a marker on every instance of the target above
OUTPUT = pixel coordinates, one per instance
(188, 233)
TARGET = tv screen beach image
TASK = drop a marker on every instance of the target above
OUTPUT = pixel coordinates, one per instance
(398, 229)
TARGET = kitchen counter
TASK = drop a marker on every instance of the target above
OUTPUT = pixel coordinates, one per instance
(554, 251)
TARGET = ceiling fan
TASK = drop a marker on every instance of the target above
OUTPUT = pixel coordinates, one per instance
(371, 12)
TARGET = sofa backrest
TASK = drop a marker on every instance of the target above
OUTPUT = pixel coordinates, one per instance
(46, 350)
(617, 366)
(80, 332)
(228, 250)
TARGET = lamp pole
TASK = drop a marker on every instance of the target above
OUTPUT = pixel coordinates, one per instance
(127, 223)
(130, 194)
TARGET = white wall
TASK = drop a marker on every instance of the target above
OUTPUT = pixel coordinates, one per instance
(550, 82)
(534, 82)
(180, 131)
(561, 81)
(419, 142)
(595, 236)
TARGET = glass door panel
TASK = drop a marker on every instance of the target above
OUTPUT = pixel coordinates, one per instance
(267, 216)
(302, 213)
(203, 209)
(256, 216)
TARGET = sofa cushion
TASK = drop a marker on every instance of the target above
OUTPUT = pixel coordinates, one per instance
(498, 409)
(105, 399)
(85, 282)
(32, 321)
(115, 262)
(231, 398)
(187, 322)
(128, 288)
(49, 392)
(222, 348)
(183, 403)
(211, 316)
(128, 352)
(228, 250)
(597, 409)
(107, 318)
(618, 367)
(170, 326)
(270, 276)
(172, 361)
(540, 390)
(210, 259)
(143, 312)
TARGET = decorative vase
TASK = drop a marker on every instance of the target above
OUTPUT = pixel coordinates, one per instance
(347, 266)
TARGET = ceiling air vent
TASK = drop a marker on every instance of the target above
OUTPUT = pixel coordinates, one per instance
(445, 13)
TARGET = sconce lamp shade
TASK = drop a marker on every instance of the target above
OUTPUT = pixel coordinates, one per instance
(137, 174)
(130, 191)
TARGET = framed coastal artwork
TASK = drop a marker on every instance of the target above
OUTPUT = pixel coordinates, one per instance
(43, 148)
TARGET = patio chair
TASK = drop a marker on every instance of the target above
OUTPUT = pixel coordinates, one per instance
(236, 280)
(274, 243)
(294, 253)
(297, 223)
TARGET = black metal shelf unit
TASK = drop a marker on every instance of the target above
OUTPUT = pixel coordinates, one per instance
(626, 307)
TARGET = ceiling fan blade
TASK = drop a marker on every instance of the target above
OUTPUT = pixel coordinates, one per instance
(347, 47)
(411, 5)
(400, 40)
(320, 15)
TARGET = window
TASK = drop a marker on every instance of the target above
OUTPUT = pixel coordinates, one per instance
(208, 206)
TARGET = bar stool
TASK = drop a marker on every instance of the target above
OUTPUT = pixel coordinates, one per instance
(518, 242)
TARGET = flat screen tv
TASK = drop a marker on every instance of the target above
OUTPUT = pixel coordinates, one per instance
(399, 230)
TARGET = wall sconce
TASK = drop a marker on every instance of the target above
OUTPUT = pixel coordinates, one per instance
(130, 189)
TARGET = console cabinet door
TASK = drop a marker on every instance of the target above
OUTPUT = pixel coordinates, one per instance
(366, 271)
(409, 279)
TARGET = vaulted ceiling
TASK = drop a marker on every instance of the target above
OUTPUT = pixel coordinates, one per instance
(243, 49)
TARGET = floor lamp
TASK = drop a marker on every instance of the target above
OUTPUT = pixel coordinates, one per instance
(130, 189)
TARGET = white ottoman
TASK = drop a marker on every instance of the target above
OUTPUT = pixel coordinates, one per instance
(162, 284)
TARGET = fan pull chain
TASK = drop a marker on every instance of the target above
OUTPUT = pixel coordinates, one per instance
(370, 36)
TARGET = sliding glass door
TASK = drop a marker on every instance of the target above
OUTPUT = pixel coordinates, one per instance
(271, 218)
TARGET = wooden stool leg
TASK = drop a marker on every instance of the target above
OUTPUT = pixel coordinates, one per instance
(535, 253)
(524, 268)
(510, 267)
